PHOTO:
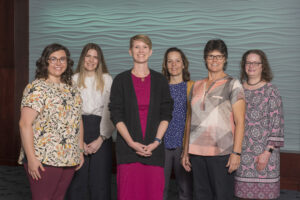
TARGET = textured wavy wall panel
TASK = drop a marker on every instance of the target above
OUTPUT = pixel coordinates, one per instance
(271, 25)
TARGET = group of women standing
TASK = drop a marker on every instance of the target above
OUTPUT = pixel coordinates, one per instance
(220, 137)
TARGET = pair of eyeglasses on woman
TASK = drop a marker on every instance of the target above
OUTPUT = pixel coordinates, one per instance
(218, 57)
(255, 64)
(54, 60)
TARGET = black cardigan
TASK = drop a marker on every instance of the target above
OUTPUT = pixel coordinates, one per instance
(123, 108)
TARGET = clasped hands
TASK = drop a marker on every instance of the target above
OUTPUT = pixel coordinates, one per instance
(92, 147)
(144, 150)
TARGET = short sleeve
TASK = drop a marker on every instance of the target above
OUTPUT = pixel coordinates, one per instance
(33, 97)
(237, 92)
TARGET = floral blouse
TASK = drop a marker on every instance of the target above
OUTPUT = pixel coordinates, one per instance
(57, 126)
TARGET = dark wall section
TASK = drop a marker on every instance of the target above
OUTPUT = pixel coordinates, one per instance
(14, 52)
(290, 171)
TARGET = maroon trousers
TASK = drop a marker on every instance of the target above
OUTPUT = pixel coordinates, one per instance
(53, 184)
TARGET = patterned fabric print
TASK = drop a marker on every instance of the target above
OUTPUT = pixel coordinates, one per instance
(56, 128)
(263, 126)
(257, 190)
(174, 134)
(212, 125)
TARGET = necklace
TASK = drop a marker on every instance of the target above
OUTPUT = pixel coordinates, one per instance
(142, 77)
(253, 84)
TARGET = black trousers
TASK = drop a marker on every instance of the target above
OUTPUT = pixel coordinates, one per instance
(94, 177)
(211, 180)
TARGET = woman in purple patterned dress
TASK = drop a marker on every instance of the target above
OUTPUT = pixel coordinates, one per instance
(258, 175)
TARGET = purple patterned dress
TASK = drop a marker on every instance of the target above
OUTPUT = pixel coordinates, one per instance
(263, 126)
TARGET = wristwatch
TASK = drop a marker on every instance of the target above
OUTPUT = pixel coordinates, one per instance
(158, 140)
(270, 150)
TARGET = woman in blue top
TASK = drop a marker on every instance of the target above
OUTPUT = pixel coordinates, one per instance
(175, 69)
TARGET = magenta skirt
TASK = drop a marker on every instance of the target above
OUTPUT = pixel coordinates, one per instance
(136, 181)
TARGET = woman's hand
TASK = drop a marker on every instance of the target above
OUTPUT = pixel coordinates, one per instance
(185, 161)
(150, 147)
(86, 149)
(140, 149)
(33, 168)
(262, 160)
(94, 146)
(81, 162)
(233, 162)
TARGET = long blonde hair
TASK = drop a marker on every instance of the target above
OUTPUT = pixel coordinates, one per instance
(100, 69)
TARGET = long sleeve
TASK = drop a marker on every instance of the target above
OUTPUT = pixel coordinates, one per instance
(166, 102)
(106, 125)
(276, 126)
(116, 104)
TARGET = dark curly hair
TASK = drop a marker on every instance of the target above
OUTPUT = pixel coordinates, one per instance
(185, 71)
(266, 73)
(43, 62)
(216, 45)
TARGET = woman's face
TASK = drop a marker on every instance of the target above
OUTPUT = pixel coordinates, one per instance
(253, 66)
(57, 64)
(174, 63)
(140, 51)
(91, 60)
(215, 61)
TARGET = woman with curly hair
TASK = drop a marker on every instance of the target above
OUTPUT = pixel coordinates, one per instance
(50, 125)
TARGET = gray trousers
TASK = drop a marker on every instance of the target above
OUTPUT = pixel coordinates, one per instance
(183, 178)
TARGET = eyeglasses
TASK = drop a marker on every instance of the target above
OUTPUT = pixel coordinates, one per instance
(218, 57)
(54, 60)
(255, 64)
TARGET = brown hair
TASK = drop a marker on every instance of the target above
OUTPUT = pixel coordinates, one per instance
(266, 73)
(99, 71)
(42, 63)
(143, 38)
(185, 71)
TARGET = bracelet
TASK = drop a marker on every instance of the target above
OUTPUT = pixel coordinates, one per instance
(158, 140)
(236, 153)
(103, 137)
(81, 150)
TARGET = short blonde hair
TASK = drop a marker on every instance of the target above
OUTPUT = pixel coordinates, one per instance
(143, 38)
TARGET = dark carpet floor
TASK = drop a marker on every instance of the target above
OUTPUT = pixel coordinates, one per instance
(14, 186)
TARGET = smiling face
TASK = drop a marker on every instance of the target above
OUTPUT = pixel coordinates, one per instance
(140, 52)
(174, 63)
(215, 61)
(91, 60)
(253, 66)
(57, 65)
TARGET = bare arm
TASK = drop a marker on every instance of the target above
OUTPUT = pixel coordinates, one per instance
(28, 115)
(163, 125)
(185, 160)
(239, 120)
(81, 133)
(138, 147)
